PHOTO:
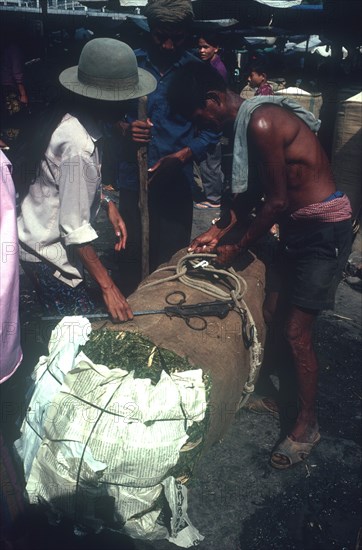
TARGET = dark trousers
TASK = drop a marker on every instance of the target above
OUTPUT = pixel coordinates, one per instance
(211, 174)
(170, 214)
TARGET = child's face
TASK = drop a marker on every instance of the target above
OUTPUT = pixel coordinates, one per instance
(255, 79)
(206, 51)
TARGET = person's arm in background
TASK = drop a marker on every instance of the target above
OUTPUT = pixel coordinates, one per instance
(195, 150)
(17, 66)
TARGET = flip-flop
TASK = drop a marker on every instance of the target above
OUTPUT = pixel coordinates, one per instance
(205, 204)
(294, 451)
(259, 405)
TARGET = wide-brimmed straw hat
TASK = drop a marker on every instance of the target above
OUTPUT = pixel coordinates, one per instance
(107, 70)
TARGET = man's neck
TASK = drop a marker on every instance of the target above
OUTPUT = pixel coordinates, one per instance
(233, 101)
(161, 62)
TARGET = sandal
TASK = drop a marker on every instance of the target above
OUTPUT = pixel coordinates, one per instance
(294, 451)
(206, 204)
(259, 405)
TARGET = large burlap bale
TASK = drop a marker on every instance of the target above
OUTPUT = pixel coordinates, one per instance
(346, 150)
(311, 102)
(247, 92)
(218, 349)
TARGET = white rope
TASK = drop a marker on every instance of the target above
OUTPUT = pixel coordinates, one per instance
(237, 294)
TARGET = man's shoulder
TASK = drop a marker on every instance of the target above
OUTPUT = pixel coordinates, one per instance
(271, 111)
(141, 56)
(188, 56)
(71, 138)
(270, 122)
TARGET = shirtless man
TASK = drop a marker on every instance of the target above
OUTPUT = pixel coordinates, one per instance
(300, 195)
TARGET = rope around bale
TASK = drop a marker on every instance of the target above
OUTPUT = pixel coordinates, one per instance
(237, 295)
(210, 288)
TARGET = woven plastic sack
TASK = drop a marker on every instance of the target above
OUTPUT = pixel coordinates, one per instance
(346, 150)
(311, 102)
(100, 444)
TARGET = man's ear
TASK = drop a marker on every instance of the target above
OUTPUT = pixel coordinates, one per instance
(214, 96)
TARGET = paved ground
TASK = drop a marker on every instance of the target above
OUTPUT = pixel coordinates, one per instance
(238, 501)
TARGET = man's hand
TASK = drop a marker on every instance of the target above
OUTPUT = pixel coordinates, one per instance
(206, 242)
(141, 131)
(164, 168)
(227, 253)
(116, 303)
(119, 226)
(23, 98)
(168, 164)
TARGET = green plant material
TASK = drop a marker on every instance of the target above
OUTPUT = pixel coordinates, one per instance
(131, 351)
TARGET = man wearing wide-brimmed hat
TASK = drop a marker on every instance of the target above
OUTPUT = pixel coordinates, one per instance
(63, 195)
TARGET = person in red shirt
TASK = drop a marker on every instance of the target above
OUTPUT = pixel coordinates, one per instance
(258, 79)
(210, 171)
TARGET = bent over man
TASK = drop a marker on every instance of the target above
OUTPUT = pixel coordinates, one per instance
(275, 140)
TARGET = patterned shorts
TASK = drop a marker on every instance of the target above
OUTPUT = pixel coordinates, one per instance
(56, 297)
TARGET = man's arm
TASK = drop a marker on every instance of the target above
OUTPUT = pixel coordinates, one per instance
(117, 222)
(78, 181)
(114, 300)
(267, 141)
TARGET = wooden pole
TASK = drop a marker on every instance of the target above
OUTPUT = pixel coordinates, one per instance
(143, 196)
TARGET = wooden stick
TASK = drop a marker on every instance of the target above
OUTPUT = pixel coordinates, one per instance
(143, 196)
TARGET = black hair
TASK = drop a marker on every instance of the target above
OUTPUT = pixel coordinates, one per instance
(29, 149)
(169, 12)
(258, 67)
(210, 38)
(190, 85)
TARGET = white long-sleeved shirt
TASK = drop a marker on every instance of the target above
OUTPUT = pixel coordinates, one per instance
(63, 199)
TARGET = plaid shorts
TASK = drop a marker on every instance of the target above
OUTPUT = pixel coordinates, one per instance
(56, 297)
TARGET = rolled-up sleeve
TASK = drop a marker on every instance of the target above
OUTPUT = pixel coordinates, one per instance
(79, 180)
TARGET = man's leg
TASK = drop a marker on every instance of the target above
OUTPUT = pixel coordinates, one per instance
(129, 261)
(304, 434)
(299, 326)
(278, 360)
(212, 175)
(171, 209)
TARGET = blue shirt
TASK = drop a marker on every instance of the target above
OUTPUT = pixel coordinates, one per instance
(170, 132)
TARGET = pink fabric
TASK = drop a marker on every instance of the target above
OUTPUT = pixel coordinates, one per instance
(265, 89)
(336, 210)
(10, 350)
